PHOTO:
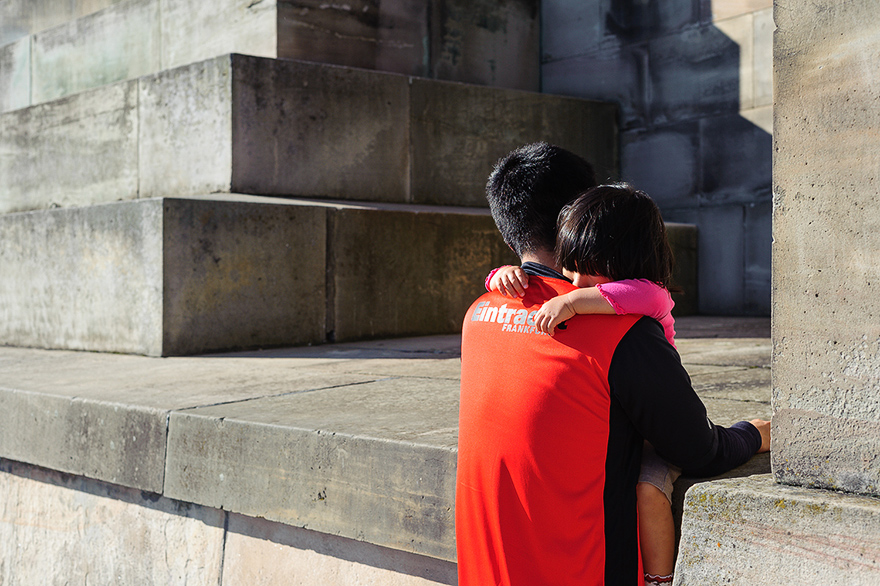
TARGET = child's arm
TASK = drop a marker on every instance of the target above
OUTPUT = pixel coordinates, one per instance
(563, 307)
(508, 280)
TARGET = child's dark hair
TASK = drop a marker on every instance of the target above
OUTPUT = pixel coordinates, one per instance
(615, 231)
(527, 190)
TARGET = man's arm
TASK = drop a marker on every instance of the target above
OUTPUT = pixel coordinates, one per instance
(653, 388)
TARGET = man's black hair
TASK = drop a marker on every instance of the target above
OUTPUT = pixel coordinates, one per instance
(528, 188)
(615, 231)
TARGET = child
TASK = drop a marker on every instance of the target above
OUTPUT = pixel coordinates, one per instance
(638, 282)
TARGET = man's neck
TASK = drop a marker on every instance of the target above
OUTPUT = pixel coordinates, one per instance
(543, 257)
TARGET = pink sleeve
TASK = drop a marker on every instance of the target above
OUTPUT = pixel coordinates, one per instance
(643, 297)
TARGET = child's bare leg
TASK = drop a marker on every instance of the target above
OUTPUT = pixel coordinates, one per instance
(656, 530)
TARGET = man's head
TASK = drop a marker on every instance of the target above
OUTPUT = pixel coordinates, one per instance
(615, 231)
(528, 188)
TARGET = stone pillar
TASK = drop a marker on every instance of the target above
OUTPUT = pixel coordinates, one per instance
(826, 251)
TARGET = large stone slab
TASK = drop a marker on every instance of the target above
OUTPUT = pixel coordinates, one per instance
(15, 75)
(163, 276)
(172, 276)
(272, 127)
(379, 469)
(826, 232)
(753, 531)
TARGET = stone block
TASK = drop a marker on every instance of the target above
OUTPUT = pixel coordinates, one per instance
(379, 292)
(242, 274)
(124, 445)
(111, 45)
(487, 42)
(752, 531)
(83, 278)
(185, 130)
(387, 36)
(80, 150)
(615, 73)
(163, 277)
(741, 30)
(57, 529)
(683, 240)
(763, 76)
(643, 20)
(376, 470)
(732, 8)
(665, 162)
(693, 74)
(15, 75)
(826, 232)
(195, 31)
(19, 18)
(736, 159)
(317, 130)
(261, 552)
(758, 238)
(459, 132)
(569, 28)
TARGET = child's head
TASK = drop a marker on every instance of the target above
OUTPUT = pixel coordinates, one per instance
(614, 231)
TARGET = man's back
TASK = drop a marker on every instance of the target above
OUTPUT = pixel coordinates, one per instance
(534, 476)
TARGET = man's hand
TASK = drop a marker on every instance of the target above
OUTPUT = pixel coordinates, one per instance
(554, 312)
(764, 428)
(509, 281)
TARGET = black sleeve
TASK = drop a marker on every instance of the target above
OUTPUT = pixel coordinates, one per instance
(651, 385)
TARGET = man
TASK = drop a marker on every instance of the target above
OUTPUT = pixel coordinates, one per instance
(551, 428)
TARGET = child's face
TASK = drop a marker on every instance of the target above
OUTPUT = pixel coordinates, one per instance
(584, 281)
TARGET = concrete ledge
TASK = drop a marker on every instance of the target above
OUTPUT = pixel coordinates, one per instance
(753, 531)
(353, 441)
(273, 127)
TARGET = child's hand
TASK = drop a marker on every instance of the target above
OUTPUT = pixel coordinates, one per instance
(510, 282)
(554, 312)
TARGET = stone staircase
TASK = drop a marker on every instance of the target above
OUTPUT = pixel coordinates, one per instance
(134, 181)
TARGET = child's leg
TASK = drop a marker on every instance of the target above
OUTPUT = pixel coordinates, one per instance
(656, 530)
(656, 526)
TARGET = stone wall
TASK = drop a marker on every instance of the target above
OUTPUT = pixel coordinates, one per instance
(694, 82)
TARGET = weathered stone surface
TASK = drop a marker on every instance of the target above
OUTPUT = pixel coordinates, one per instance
(185, 130)
(460, 131)
(569, 28)
(107, 441)
(109, 46)
(387, 36)
(19, 18)
(487, 42)
(826, 231)
(763, 72)
(163, 277)
(319, 131)
(693, 74)
(736, 158)
(377, 290)
(57, 529)
(665, 163)
(193, 31)
(683, 239)
(752, 531)
(80, 150)
(354, 472)
(731, 8)
(83, 278)
(260, 552)
(242, 274)
(15, 75)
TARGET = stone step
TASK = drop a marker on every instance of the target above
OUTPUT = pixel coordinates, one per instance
(50, 49)
(753, 531)
(171, 276)
(354, 440)
(274, 127)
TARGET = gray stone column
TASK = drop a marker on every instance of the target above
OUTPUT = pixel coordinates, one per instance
(826, 250)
